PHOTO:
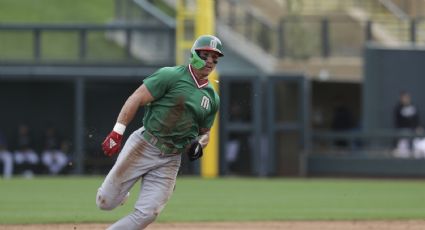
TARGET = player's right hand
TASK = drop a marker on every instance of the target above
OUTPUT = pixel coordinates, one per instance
(112, 144)
(195, 151)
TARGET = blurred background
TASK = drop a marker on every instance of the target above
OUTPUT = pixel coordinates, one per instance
(308, 87)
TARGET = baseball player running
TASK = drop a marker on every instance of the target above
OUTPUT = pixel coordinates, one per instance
(180, 106)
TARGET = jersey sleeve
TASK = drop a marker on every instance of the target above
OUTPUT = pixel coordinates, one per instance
(208, 122)
(159, 82)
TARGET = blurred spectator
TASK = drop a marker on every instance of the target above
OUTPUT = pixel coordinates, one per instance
(406, 119)
(406, 114)
(26, 158)
(53, 157)
(6, 157)
(237, 142)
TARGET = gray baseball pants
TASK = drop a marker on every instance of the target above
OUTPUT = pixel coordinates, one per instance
(139, 159)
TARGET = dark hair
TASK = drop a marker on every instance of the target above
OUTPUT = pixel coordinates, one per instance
(404, 92)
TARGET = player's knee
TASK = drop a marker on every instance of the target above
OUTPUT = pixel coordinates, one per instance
(104, 202)
(107, 203)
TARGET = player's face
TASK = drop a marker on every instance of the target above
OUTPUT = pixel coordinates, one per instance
(211, 60)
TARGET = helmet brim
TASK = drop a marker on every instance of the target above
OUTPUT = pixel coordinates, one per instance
(211, 49)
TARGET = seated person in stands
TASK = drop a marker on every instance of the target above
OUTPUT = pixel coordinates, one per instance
(53, 158)
(26, 159)
(406, 119)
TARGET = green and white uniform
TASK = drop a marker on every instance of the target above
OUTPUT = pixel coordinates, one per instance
(181, 107)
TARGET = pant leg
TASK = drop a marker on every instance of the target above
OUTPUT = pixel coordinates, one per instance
(59, 161)
(26, 161)
(19, 157)
(31, 157)
(7, 159)
(47, 160)
(128, 168)
(156, 189)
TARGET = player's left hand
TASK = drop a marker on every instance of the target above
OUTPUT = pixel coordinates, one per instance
(195, 151)
(112, 144)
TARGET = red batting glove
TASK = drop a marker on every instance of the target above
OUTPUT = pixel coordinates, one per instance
(112, 144)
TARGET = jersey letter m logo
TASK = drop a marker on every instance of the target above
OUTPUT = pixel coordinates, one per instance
(205, 102)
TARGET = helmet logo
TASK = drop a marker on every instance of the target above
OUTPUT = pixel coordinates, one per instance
(213, 43)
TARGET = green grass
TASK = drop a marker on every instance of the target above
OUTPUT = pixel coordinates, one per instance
(72, 199)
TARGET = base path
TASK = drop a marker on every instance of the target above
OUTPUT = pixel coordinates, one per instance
(284, 225)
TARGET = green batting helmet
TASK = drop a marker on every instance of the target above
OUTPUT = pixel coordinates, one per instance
(205, 42)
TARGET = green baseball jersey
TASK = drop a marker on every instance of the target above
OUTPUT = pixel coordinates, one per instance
(181, 107)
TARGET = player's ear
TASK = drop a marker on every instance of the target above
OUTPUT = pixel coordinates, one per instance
(196, 61)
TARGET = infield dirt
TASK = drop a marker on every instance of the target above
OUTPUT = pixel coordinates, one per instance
(286, 225)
